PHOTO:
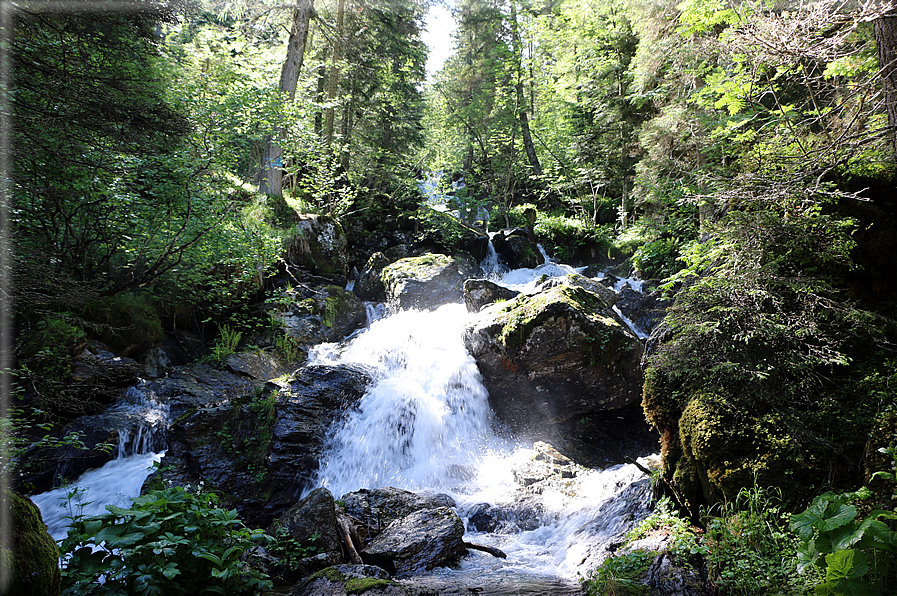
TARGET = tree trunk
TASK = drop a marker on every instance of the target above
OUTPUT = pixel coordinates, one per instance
(528, 144)
(885, 29)
(272, 181)
(333, 81)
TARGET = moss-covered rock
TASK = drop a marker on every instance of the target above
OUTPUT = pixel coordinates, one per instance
(554, 357)
(308, 315)
(319, 244)
(34, 557)
(425, 282)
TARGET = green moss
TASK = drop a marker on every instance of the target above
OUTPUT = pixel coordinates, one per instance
(337, 302)
(523, 314)
(360, 585)
(422, 267)
(35, 557)
(329, 573)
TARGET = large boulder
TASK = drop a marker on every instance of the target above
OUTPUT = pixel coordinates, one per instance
(418, 542)
(553, 357)
(517, 249)
(425, 282)
(481, 292)
(368, 285)
(380, 507)
(262, 447)
(319, 244)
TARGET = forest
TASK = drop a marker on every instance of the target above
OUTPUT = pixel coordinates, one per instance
(738, 156)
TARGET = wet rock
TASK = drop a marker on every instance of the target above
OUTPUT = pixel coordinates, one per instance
(554, 357)
(425, 282)
(418, 542)
(510, 518)
(340, 580)
(33, 558)
(381, 506)
(256, 365)
(580, 281)
(516, 248)
(263, 449)
(646, 311)
(481, 292)
(311, 522)
(368, 285)
(99, 438)
(319, 244)
(311, 314)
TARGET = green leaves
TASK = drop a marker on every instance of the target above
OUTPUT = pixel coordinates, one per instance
(168, 542)
(829, 527)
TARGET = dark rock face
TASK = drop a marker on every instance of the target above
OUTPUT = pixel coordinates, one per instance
(425, 282)
(311, 521)
(553, 357)
(260, 450)
(381, 506)
(516, 248)
(508, 519)
(368, 285)
(644, 310)
(255, 365)
(481, 292)
(418, 542)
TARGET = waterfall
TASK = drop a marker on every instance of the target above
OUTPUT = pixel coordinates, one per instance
(425, 424)
(119, 480)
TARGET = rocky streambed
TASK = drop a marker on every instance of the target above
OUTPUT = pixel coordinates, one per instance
(454, 449)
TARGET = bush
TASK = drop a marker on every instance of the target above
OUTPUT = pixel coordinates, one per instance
(169, 542)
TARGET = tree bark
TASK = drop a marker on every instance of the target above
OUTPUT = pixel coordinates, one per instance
(272, 180)
(333, 81)
(885, 29)
(528, 144)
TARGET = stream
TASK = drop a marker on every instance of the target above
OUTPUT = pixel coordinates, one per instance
(425, 425)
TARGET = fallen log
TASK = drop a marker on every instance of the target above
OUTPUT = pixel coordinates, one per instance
(486, 549)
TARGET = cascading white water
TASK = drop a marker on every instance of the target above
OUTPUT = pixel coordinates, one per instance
(119, 480)
(425, 423)
(425, 420)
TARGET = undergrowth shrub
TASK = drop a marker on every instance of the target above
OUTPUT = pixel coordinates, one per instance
(170, 541)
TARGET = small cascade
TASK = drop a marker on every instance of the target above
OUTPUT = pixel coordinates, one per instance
(492, 266)
(545, 258)
(140, 442)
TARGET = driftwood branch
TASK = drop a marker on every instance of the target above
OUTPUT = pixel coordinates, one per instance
(486, 549)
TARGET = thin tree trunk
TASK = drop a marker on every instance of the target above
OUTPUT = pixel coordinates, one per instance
(272, 181)
(333, 81)
(528, 144)
(886, 39)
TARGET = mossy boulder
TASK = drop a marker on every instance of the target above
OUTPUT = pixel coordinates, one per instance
(553, 357)
(319, 244)
(345, 580)
(711, 448)
(425, 282)
(517, 249)
(34, 558)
